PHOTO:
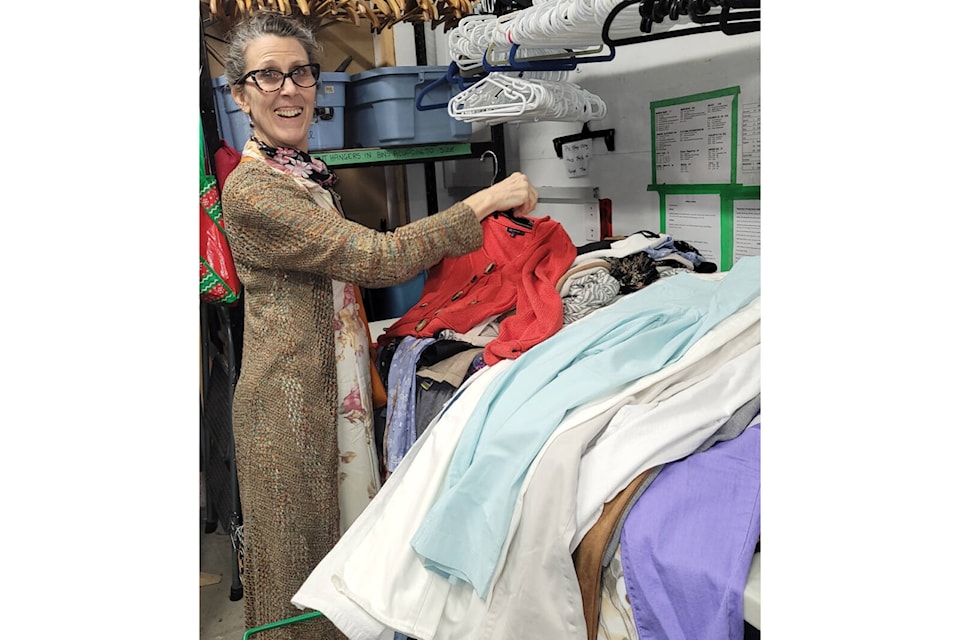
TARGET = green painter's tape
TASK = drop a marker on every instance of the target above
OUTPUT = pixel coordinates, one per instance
(734, 191)
(394, 154)
(697, 97)
(663, 212)
(726, 233)
(734, 135)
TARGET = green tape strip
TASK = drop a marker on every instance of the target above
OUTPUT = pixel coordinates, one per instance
(696, 97)
(373, 156)
(734, 135)
(732, 190)
(663, 212)
(726, 234)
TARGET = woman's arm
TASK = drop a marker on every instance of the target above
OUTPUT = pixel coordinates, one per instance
(273, 223)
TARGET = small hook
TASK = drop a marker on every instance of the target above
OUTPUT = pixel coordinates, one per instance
(496, 164)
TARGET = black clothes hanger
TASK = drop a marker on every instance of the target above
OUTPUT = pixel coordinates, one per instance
(520, 221)
(731, 20)
(508, 214)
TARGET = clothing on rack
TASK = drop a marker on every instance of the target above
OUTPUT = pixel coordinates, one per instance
(398, 501)
(421, 603)
(585, 288)
(741, 419)
(630, 245)
(616, 616)
(400, 432)
(538, 559)
(515, 269)
(431, 396)
(687, 544)
(600, 546)
(588, 556)
(463, 534)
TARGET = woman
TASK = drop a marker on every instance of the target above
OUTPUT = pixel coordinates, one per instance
(305, 374)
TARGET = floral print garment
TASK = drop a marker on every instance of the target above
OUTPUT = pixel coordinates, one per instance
(359, 475)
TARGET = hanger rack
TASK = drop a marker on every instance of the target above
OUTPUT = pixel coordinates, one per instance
(451, 77)
(731, 20)
(567, 60)
(585, 134)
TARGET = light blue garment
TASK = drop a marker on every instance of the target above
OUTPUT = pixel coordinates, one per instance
(462, 535)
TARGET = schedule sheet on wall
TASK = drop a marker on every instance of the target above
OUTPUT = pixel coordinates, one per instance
(693, 141)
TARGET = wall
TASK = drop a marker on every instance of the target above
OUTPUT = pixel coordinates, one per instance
(638, 74)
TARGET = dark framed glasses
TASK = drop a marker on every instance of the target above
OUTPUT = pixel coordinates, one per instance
(270, 80)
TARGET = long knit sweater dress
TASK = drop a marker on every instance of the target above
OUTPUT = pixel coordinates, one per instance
(288, 249)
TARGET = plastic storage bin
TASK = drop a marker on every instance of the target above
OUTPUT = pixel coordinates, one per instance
(234, 123)
(393, 302)
(326, 133)
(382, 111)
(331, 100)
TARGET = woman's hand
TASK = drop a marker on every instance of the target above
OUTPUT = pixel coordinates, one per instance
(515, 192)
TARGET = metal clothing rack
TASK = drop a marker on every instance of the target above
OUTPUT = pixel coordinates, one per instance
(220, 354)
(429, 168)
(734, 18)
(221, 329)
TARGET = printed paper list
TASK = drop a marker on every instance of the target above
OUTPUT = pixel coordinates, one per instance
(693, 142)
(696, 219)
(750, 144)
(746, 228)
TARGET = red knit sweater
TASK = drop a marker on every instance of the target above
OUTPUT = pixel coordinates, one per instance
(511, 271)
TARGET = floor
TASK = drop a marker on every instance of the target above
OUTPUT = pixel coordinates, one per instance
(220, 618)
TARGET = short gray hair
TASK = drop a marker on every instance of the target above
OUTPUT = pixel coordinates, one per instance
(258, 25)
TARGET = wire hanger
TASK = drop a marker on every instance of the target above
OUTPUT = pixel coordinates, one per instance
(500, 97)
(519, 220)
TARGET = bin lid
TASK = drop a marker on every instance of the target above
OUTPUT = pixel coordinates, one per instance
(334, 76)
(393, 71)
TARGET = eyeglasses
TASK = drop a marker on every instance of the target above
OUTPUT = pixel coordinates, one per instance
(270, 80)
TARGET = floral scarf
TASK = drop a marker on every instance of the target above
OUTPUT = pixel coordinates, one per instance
(298, 163)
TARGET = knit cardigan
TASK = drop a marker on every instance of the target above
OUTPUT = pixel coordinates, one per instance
(287, 249)
(517, 269)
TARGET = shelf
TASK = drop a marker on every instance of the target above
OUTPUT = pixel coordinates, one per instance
(401, 155)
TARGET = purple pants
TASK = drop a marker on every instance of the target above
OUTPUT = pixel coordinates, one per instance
(687, 543)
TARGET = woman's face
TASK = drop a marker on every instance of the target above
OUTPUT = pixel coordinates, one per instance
(281, 118)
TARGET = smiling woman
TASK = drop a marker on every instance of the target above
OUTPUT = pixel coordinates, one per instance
(303, 411)
(281, 112)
